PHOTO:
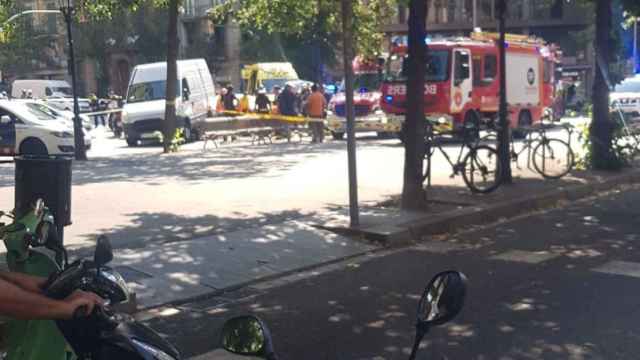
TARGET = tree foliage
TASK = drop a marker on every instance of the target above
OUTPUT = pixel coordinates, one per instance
(315, 21)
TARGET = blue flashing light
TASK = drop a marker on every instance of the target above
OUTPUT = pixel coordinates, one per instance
(363, 90)
(388, 99)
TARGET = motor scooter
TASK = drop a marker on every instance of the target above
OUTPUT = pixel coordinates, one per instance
(34, 248)
(441, 301)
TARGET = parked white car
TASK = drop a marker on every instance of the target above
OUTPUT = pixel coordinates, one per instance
(64, 115)
(626, 96)
(25, 130)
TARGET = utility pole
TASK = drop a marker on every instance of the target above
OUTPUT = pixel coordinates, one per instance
(504, 132)
(68, 12)
(347, 33)
(475, 15)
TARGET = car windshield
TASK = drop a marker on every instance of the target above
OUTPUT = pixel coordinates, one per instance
(149, 91)
(33, 111)
(437, 65)
(43, 108)
(628, 86)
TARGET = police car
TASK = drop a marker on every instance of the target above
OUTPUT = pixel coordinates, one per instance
(26, 130)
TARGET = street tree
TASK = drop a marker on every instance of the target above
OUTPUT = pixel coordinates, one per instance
(316, 24)
(413, 193)
(601, 128)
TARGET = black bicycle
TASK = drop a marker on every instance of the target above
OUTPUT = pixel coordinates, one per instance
(479, 164)
(550, 157)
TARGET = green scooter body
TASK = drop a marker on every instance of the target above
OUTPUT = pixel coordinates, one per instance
(32, 339)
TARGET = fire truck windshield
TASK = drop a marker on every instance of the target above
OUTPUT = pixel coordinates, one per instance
(437, 65)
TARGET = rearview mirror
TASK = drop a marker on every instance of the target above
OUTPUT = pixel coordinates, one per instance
(443, 298)
(185, 94)
(104, 251)
(247, 335)
(5, 120)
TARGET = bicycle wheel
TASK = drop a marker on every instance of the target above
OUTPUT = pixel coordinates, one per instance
(552, 158)
(482, 171)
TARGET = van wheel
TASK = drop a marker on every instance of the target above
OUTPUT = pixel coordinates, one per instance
(33, 147)
(524, 120)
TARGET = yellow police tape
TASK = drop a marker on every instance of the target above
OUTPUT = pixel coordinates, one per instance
(263, 116)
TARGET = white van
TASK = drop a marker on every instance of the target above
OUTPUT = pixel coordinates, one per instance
(58, 91)
(41, 89)
(143, 112)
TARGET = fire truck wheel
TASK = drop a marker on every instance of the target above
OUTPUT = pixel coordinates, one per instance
(337, 135)
(524, 120)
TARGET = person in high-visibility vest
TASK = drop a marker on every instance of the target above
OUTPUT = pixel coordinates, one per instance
(243, 104)
(220, 102)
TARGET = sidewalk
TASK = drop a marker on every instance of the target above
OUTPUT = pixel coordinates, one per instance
(178, 272)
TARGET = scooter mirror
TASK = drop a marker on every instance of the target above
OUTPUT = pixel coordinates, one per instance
(443, 298)
(246, 335)
(104, 252)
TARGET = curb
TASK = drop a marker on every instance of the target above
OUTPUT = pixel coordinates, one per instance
(411, 232)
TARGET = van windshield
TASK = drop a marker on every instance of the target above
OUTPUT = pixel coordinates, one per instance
(59, 91)
(437, 65)
(269, 84)
(149, 91)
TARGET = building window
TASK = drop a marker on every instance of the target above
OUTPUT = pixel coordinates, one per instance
(486, 10)
(515, 10)
(52, 20)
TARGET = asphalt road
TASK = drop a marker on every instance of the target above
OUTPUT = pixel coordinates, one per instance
(562, 284)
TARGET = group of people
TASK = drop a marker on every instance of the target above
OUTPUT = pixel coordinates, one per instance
(26, 94)
(309, 102)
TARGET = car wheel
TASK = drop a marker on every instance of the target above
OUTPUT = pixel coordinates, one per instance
(33, 147)
(132, 142)
(337, 135)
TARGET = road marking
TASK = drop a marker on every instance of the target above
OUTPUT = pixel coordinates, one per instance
(529, 257)
(624, 268)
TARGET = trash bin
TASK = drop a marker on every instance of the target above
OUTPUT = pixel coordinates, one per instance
(48, 178)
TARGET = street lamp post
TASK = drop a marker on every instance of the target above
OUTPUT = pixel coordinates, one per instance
(68, 12)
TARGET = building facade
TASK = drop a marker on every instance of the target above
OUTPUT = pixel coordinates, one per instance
(557, 21)
(52, 63)
(219, 44)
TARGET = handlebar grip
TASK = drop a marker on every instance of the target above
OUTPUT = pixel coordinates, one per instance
(80, 312)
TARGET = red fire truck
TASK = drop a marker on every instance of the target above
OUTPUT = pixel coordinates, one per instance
(462, 79)
(369, 116)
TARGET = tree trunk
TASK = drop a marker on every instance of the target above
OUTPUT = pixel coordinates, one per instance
(172, 77)
(504, 138)
(600, 130)
(413, 193)
(347, 33)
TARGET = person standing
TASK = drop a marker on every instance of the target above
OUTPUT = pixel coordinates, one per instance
(287, 102)
(316, 105)
(263, 105)
(230, 100)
